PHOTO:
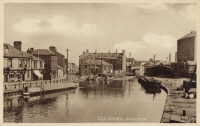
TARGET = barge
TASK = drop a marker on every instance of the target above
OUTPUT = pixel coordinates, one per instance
(151, 85)
(37, 90)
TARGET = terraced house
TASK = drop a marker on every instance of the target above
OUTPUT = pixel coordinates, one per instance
(50, 62)
(19, 65)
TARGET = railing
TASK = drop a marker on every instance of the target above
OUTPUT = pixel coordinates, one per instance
(21, 85)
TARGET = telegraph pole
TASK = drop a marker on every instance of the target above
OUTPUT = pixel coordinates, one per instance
(67, 66)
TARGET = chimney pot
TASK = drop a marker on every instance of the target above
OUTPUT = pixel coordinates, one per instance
(52, 48)
(18, 45)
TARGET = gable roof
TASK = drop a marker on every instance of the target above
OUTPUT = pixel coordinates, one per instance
(59, 54)
(191, 34)
(43, 52)
(15, 53)
(36, 58)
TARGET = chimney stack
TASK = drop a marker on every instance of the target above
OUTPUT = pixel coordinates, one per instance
(52, 48)
(18, 45)
(169, 57)
(30, 51)
(87, 51)
(123, 51)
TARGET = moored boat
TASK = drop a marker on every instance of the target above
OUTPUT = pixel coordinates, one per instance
(151, 85)
(37, 90)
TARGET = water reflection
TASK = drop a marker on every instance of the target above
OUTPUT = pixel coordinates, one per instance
(89, 103)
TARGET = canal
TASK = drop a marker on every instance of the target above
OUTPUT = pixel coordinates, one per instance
(120, 100)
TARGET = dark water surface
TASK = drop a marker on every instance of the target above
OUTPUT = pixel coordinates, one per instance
(115, 101)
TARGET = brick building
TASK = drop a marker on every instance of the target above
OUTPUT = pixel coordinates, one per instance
(186, 56)
(50, 62)
(91, 67)
(186, 47)
(60, 61)
(118, 60)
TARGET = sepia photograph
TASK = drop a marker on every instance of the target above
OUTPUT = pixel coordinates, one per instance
(99, 62)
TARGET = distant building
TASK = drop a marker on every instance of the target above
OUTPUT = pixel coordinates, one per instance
(129, 64)
(72, 68)
(157, 70)
(182, 69)
(91, 67)
(118, 60)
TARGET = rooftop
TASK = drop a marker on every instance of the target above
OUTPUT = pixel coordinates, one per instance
(15, 53)
(191, 34)
(43, 52)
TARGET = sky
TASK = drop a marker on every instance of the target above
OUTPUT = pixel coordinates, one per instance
(144, 30)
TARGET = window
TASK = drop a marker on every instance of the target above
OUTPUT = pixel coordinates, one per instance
(35, 64)
(28, 63)
(85, 66)
(28, 73)
(41, 64)
(20, 63)
(9, 62)
(18, 76)
(11, 75)
(25, 62)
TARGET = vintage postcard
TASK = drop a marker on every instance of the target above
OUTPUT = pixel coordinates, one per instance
(99, 62)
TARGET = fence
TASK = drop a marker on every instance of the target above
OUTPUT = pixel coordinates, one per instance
(21, 85)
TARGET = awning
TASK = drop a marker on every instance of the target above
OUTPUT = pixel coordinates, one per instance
(37, 72)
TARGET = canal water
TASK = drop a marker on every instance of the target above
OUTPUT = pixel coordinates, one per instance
(115, 101)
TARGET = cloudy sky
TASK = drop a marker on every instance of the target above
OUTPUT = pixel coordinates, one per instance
(142, 29)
